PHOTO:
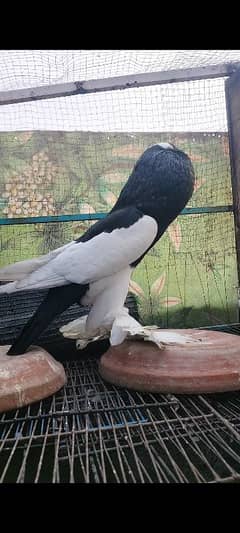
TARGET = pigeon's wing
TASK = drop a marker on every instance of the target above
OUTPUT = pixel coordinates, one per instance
(108, 252)
(112, 245)
(21, 269)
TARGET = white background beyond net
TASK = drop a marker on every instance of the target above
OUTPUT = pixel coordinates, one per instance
(188, 106)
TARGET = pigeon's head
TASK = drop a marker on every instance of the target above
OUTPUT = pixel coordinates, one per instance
(166, 168)
(166, 146)
(162, 181)
(157, 155)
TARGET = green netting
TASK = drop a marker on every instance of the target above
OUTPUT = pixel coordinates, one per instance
(188, 279)
(54, 173)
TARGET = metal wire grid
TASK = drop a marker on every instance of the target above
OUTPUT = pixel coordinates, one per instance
(18, 308)
(92, 432)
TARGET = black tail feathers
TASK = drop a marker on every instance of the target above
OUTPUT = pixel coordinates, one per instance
(56, 302)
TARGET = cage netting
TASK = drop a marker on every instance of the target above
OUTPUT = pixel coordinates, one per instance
(72, 155)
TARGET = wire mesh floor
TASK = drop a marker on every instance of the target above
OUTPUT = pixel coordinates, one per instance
(93, 432)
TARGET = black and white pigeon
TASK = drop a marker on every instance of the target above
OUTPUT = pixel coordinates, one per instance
(96, 268)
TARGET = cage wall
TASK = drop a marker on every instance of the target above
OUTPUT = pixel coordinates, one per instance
(72, 155)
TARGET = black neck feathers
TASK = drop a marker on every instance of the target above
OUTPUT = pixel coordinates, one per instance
(160, 185)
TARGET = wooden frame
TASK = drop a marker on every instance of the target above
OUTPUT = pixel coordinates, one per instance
(117, 83)
(232, 91)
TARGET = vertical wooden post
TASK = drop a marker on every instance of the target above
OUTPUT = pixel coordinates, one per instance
(232, 91)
